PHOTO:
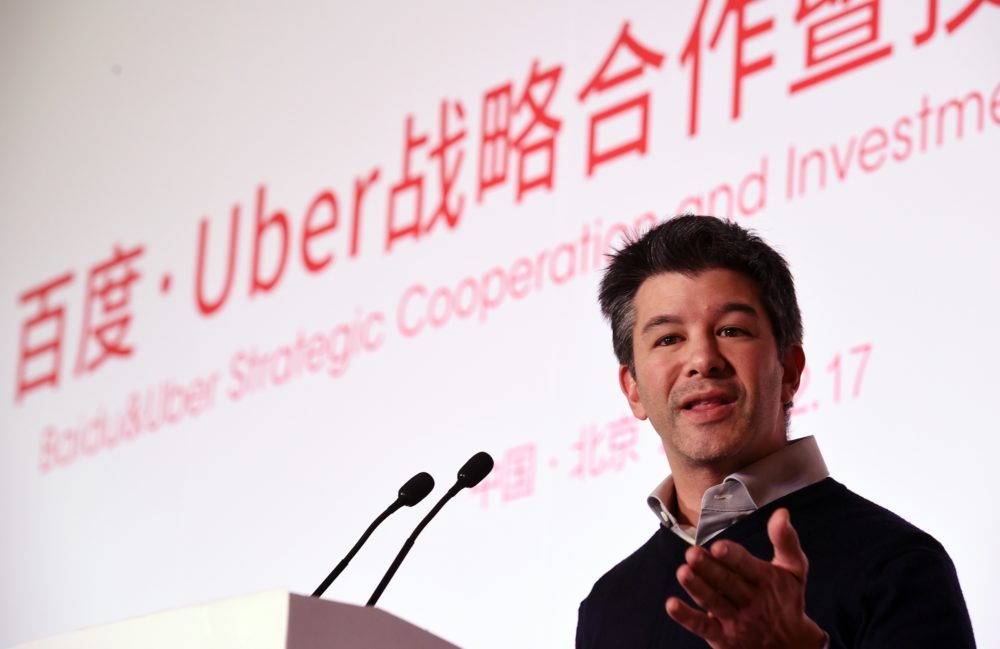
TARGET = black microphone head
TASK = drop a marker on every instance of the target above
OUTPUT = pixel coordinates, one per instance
(416, 489)
(473, 471)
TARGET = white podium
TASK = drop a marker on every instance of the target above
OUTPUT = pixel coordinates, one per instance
(269, 620)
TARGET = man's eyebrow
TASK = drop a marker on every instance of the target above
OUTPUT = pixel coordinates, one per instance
(737, 307)
(658, 320)
(668, 318)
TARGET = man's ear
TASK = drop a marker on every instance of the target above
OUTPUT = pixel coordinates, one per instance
(792, 362)
(631, 391)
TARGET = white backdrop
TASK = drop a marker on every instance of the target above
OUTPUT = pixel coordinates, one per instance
(156, 453)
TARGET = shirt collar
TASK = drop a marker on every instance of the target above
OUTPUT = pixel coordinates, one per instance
(796, 465)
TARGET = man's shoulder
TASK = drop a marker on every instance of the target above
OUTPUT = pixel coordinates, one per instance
(830, 510)
(856, 545)
(899, 576)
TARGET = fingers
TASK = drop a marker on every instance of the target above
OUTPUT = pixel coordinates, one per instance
(737, 559)
(706, 594)
(701, 624)
(746, 600)
(788, 552)
(712, 580)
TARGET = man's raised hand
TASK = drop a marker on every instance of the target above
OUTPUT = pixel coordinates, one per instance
(749, 603)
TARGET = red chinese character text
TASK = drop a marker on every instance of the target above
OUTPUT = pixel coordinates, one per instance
(841, 41)
(40, 352)
(106, 316)
(957, 21)
(536, 139)
(623, 438)
(514, 475)
(494, 146)
(604, 80)
(539, 134)
(449, 208)
(607, 449)
(741, 68)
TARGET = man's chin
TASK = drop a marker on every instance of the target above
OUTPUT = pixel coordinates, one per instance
(711, 458)
(710, 447)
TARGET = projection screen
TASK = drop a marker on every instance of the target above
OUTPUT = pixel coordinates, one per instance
(263, 262)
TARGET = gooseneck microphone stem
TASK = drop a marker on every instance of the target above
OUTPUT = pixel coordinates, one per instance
(409, 544)
(412, 492)
(357, 546)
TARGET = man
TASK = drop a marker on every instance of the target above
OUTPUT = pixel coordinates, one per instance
(708, 334)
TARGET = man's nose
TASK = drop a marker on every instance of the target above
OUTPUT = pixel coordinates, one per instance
(704, 357)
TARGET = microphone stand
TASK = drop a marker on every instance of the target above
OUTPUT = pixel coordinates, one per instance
(409, 544)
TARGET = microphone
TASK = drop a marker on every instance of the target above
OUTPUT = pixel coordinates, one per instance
(471, 474)
(415, 490)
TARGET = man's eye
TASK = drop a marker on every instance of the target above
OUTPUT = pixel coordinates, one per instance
(667, 340)
(731, 331)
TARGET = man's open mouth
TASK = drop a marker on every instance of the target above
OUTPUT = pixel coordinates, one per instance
(707, 401)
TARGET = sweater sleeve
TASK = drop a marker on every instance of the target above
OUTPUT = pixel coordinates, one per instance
(583, 632)
(913, 600)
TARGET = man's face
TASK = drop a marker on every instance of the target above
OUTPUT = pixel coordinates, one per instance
(707, 371)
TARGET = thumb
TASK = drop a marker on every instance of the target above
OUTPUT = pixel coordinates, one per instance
(788, 553)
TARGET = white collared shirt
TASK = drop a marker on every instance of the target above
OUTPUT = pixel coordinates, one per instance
(796, 465)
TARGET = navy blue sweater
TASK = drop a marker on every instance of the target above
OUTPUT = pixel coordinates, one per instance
(875, 581)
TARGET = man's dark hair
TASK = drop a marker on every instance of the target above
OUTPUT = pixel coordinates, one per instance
(690, 245)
